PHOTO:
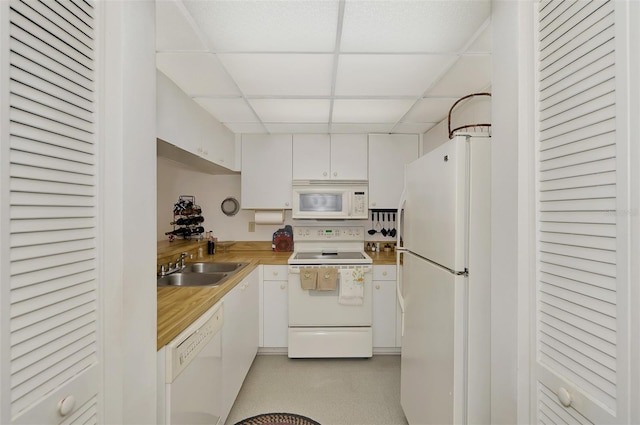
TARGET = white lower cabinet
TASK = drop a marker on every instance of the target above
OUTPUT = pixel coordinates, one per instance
(239, 336)
(275, 317)
(385, 307)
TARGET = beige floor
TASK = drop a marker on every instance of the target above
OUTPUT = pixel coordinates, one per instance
(329, 391)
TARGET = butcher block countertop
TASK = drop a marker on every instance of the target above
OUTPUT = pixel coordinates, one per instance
(178, 307)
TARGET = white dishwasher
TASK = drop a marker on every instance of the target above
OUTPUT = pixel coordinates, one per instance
(190, 373)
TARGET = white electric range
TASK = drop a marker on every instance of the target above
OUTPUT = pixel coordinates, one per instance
(321, 324)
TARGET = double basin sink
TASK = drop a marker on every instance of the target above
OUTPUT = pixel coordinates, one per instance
(202, 274)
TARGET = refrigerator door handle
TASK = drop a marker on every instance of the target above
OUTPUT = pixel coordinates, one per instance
(399, 251)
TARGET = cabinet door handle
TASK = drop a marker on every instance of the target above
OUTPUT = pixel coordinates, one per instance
(335, 174)
(282, 286)
(377, 286)
(384, 273)
(275, 273)
(324, 174)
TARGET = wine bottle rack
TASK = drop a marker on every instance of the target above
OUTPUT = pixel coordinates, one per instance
(187, 218)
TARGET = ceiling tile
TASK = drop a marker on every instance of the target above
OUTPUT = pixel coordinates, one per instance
(389, 75)
(429, 110)
(245, 127)
(292, 110)
(197, 74)
(413, 128)
(174, 28)
(370, 110)
(228, 110)
(470, 74)
(411, 26)
(297, 128)
(280, 74)
(267, 26)
(362, 128)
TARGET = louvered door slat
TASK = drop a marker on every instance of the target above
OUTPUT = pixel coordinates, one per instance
(587, 241)
(555, 15)
(55, 114)
(26, 239)
(599, 71)
(603, 191)
(52, 209)
(50, 286)
(596, 267)
(48, 97)
(586, 168)
(80, 221)
(601, 112)
(65, 23)
(579, 104)
(46, 199)
(578, 134)
(43, 55)
(577, 196)
(29, 365)
(24, 185)
(573, 147)
(47, 125)
(45, 250)
(582, 57)
(591, 352)
(593, 337)
(48, 329)
(43, 72)
(73, 171)
(77, 176)
(82, 325)
(575, 228)
(554, 292)
(25, 132)
(27, 19)
(589, 281)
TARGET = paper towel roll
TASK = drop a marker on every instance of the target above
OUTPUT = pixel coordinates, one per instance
(269, 217)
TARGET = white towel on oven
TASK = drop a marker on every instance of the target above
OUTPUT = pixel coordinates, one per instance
(351, 286)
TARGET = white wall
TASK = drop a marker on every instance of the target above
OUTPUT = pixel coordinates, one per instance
(128, 257)
(512, 138)
(175, 179)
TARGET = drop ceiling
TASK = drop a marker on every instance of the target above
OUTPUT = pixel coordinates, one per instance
(327, 66)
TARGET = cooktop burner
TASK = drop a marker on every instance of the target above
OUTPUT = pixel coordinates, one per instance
(317, 245)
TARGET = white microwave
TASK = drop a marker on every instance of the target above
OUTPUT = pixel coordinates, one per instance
(330, 199)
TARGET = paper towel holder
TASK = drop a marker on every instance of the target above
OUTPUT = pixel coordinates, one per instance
(230, 206)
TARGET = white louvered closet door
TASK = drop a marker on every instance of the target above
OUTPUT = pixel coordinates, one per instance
(53, 295)
(581, 360)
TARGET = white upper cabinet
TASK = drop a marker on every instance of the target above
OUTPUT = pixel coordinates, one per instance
(322, 157)
(266, 171)
(184, 124)
(388, 154)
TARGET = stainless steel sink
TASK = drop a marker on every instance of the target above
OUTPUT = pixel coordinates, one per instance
(193, 279)
(214, 267)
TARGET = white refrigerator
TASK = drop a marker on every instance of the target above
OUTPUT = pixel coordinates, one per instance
(444, 284)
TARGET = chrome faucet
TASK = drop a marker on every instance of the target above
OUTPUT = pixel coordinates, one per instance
(179, 265)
